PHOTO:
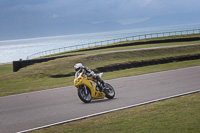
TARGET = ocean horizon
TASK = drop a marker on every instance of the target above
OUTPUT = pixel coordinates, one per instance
(13, 50)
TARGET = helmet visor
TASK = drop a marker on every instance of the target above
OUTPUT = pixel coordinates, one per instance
(76, 69)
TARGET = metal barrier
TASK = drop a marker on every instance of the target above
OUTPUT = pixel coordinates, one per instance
(112, 41)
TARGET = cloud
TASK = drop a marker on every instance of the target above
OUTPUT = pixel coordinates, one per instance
(25, 15)
(146, 3)
(132, 21)
(97, 22)
(54, 16)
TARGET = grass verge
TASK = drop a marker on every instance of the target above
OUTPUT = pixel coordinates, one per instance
(175, 115)
(39, 76)
(143, 43)
(28, 84)
(179, 115)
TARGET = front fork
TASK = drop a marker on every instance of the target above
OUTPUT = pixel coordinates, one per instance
(85, 89)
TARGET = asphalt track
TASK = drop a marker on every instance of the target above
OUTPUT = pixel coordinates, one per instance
(30, 110)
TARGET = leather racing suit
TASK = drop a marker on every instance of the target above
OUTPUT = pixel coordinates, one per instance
(89, 72)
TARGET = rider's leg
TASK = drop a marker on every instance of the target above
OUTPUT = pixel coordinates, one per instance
(101, 81)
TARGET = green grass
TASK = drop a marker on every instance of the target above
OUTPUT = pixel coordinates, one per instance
(125, 48)
(134, 46)
(28, 84)
(5, 69)
(65, 65)
(37, 76)
(178, 115)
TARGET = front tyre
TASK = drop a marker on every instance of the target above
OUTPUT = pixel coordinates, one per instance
(109, 91)
(84, 94)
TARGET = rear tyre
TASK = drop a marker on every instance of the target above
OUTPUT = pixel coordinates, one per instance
(109, 91)
(84, 94)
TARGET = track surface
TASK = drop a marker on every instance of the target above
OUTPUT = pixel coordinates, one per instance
(30, 110)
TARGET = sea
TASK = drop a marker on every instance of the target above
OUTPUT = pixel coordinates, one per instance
(14, 50)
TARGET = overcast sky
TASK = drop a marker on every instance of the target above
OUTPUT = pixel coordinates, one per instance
(35, 18)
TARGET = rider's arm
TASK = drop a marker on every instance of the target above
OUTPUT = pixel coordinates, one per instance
(78, 72)
(89, 71)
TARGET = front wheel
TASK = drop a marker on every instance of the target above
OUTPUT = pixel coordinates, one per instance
(84, 94)
(109, 91)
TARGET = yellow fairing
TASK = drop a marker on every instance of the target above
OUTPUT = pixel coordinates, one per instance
(82, 79)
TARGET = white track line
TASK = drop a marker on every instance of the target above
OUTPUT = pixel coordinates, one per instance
(104, 112)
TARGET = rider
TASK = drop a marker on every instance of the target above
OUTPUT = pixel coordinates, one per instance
(79, 68)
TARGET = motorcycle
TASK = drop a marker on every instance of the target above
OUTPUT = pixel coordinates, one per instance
(88, 89)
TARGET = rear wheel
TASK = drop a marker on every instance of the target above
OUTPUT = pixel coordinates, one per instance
(109, 91)
(84, 94)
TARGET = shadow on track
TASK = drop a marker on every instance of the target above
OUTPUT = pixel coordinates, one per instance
(100, 101)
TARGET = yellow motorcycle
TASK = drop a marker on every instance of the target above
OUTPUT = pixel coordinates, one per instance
(88, 89)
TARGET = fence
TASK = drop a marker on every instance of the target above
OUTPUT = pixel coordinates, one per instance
(113, 41)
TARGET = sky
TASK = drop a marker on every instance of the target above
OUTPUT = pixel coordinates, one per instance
(21, 19)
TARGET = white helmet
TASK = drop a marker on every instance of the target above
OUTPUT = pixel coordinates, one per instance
(78, 66)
